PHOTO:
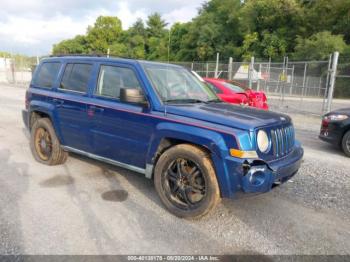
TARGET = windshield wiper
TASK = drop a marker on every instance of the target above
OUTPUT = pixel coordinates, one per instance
(214, 101)
(185, 100)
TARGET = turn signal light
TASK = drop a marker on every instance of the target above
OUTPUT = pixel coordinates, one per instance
(243, 154)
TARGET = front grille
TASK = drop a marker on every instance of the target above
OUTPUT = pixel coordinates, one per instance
(282, 140)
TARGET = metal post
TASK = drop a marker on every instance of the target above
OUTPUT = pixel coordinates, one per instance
(217, 65)
(258, 85)
(292, 81)
(269, 75)
(283, 78)
(332, 81)
(230, 68)
(251, 72)
(327, 83)
(304, 81)
(306, 86)
(192, 66)
(319, 87)
(108, 51)
(207, 71)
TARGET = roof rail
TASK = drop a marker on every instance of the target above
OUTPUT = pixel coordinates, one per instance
(92, 55)
(87, 55)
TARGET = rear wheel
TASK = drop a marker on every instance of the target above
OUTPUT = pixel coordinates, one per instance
(45, 145)
(346, 143)
(186, 182)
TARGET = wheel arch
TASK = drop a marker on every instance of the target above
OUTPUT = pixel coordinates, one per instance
(39, 109)
(210, 141)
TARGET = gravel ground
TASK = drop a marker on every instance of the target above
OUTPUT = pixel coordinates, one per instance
(87, 207)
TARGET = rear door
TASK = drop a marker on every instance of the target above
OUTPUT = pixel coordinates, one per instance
(120, 131)
(71, 105)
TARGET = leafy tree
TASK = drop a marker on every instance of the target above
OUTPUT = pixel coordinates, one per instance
(77, 45)
(103, 34)
(215, 29)
(276, 22)
(156, 26)
(319, 46)
(302, 29)
(177, 36)
(335, 16)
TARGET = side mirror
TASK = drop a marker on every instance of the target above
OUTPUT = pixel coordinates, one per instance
(132, 96)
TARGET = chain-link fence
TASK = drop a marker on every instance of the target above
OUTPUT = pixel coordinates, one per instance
(290, 86)
(297, 86)
(16, 70)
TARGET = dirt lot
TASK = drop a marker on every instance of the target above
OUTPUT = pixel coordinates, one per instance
(86, 207)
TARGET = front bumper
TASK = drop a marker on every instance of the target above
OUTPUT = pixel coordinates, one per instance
(262, 176)
(259, 176)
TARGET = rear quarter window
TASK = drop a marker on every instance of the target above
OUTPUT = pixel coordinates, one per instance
(76, 77)
(47, 74)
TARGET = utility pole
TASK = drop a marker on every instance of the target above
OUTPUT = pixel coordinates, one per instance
(217, 65)
(230, 68)
(251, 72)
(332, 81)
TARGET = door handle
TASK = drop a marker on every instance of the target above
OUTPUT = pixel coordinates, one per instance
(97, 109)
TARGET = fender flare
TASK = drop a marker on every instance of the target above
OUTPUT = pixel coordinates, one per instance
(213, 141)
(48, 109)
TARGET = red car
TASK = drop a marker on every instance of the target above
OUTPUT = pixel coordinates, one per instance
(236, 93)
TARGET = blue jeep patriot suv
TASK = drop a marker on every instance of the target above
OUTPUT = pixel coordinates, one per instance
(161, 121)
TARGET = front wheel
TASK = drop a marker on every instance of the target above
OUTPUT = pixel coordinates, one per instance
(185, 180)
(346, 143)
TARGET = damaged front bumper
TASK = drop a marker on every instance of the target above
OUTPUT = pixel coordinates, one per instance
(260, 176)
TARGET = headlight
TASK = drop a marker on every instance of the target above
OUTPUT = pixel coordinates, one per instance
(263, 141)
(336, 117)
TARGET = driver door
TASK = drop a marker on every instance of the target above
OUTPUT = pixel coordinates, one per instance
(119, 131)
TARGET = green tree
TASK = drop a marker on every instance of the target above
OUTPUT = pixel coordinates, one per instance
(136, 40)
(77, 45)
(325, 15)
(104, 33)
(216, 29)
(177, 36)
(276, 23)
(156, 45)
(156, 26)
(319, 46)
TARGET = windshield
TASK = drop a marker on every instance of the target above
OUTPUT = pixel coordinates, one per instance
(176, 84)
(233, 87)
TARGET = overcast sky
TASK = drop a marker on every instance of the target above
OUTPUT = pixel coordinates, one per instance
(31, 26)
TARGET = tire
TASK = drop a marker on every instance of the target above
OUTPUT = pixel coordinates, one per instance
(48, 152)
(196, 186)
(346, 143)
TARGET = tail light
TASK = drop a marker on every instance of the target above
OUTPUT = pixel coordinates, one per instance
(325, 123)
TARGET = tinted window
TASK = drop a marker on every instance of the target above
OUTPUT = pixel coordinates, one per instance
(47, 75)
(76, 77)
(113, 78)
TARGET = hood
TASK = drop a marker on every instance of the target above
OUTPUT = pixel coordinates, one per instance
(235, 116)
